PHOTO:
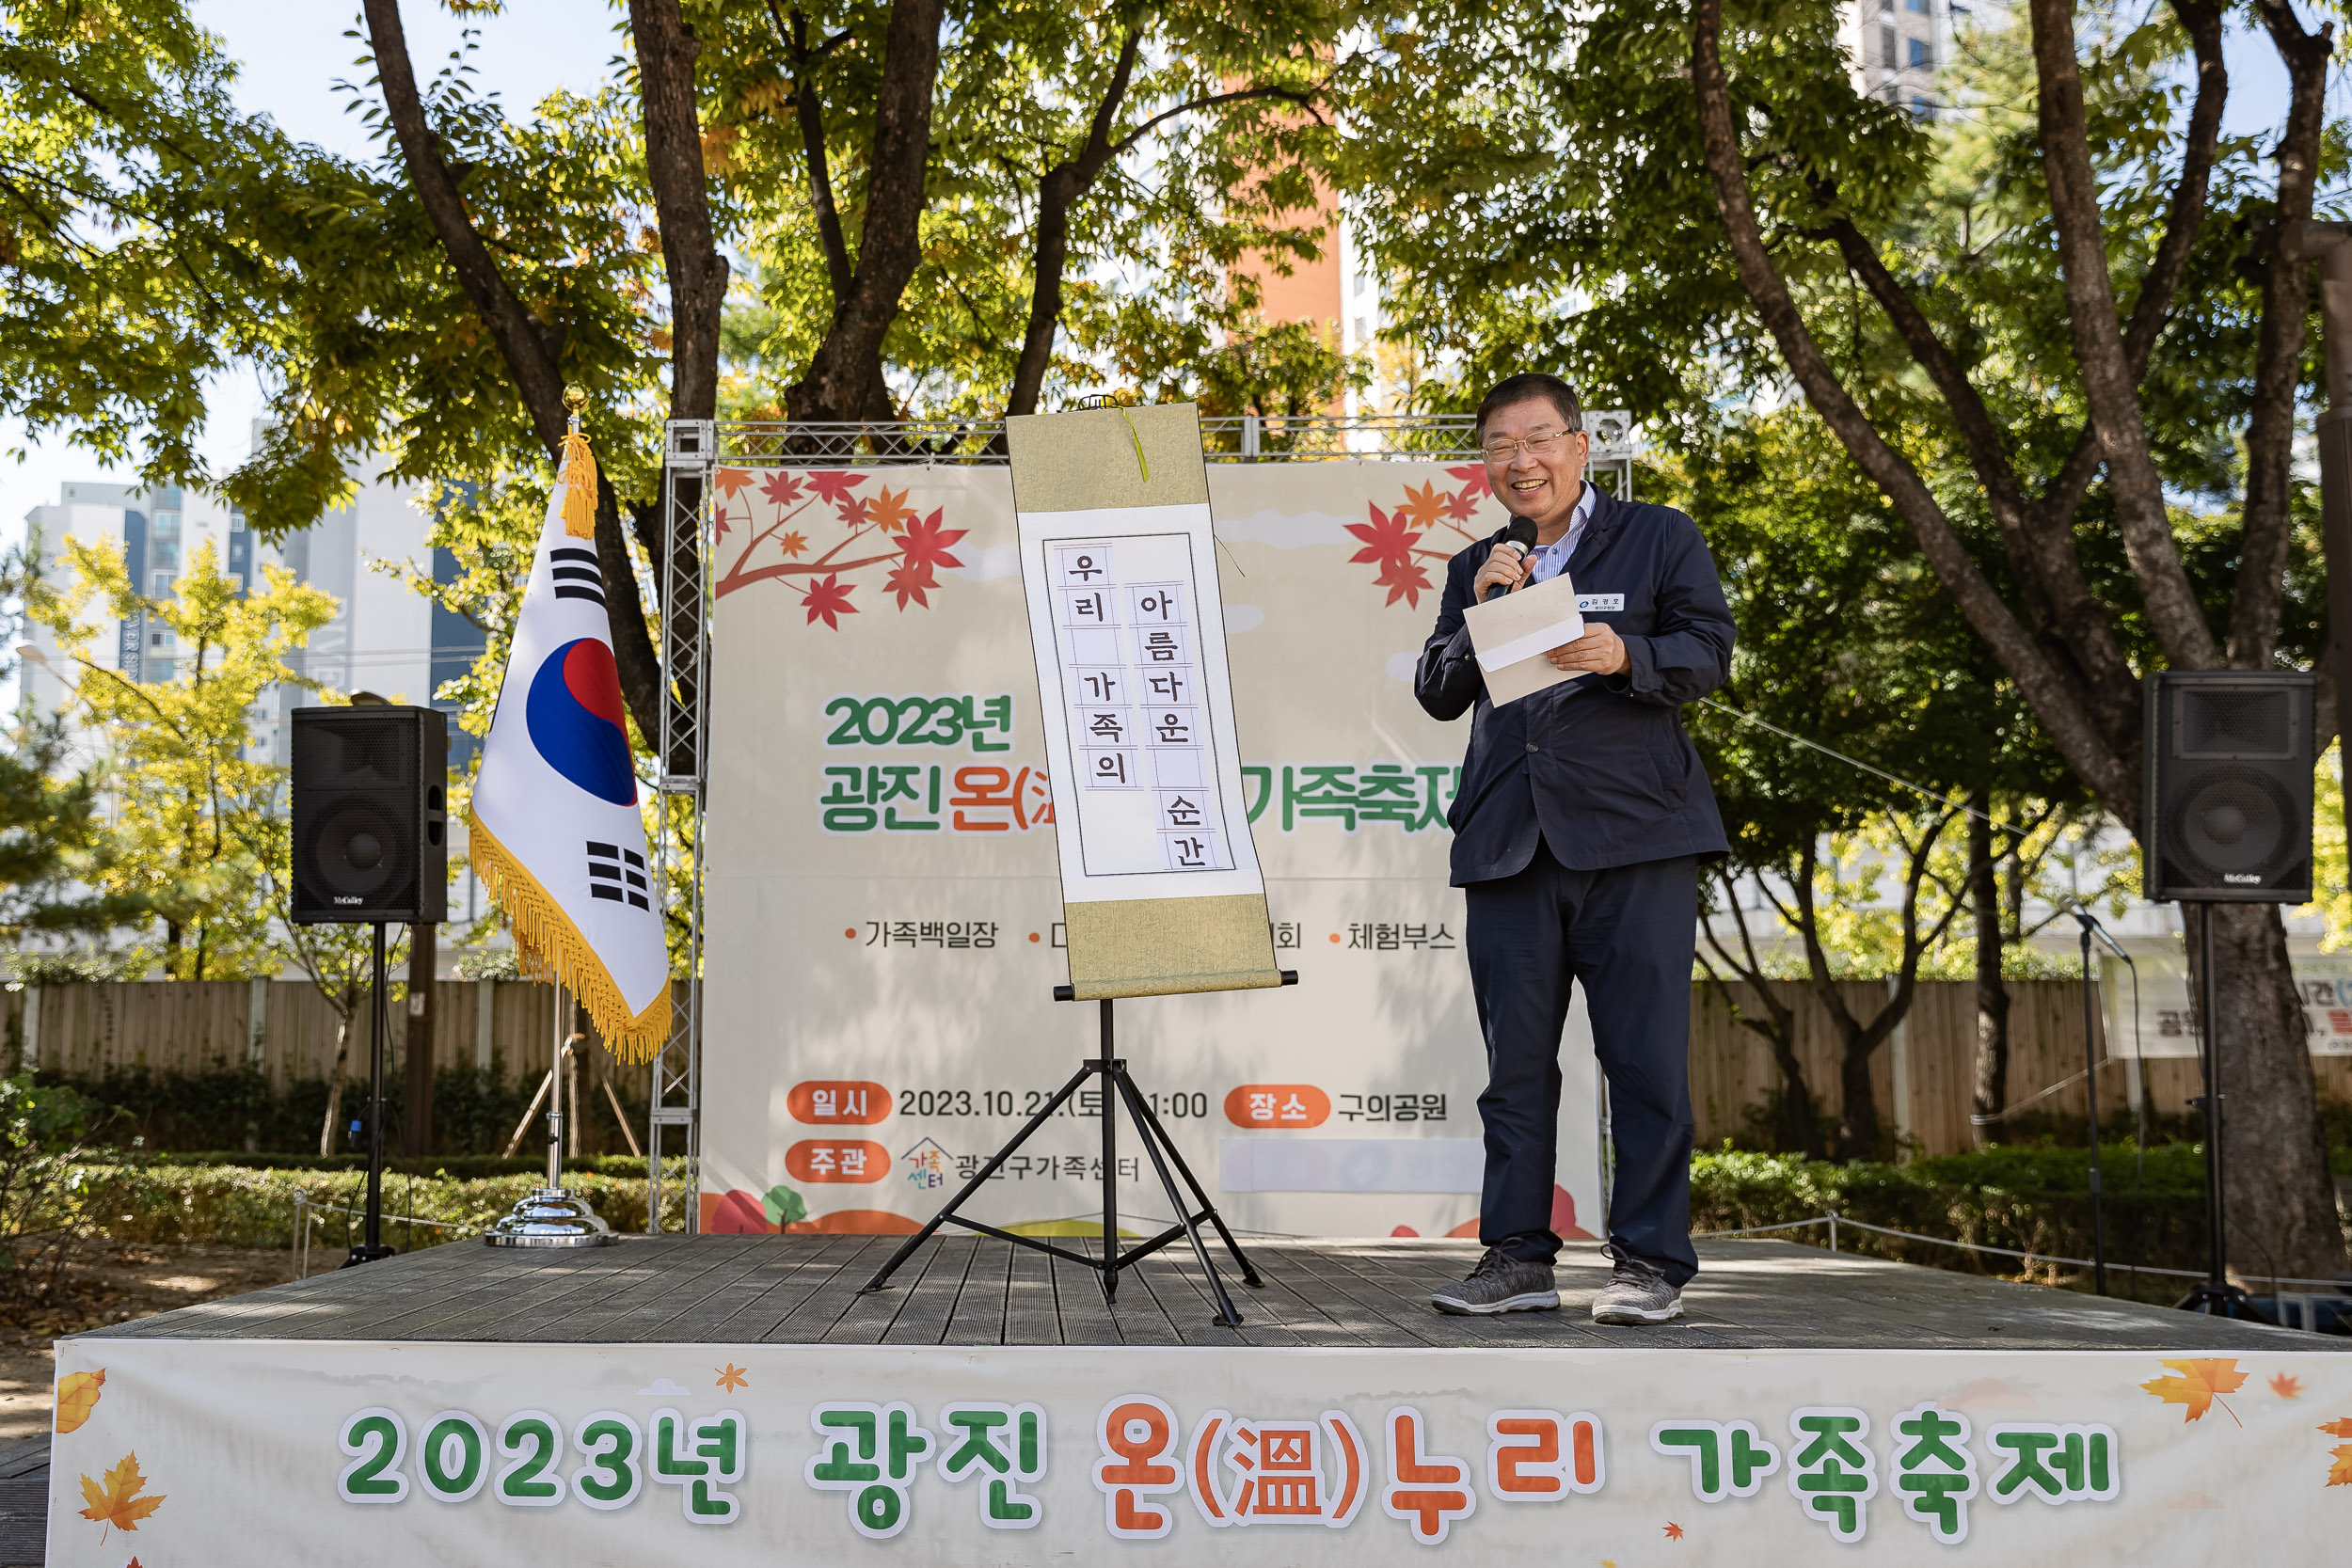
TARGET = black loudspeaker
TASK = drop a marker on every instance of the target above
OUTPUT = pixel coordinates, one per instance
(2229, 809)
(370, 825)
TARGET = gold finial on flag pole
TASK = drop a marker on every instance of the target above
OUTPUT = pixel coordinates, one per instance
(578, 472)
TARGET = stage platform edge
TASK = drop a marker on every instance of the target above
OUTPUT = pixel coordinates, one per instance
(731, 1398)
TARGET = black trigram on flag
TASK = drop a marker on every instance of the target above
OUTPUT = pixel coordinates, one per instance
(576, 573)
(617, 874)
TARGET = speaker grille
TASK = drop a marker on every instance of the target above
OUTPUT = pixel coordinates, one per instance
(2228, 723)
(2234, 826)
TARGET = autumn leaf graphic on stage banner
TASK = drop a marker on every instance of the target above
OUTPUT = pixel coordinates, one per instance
(1393, 541)
(812, 530)
(118, 1504)
(77, 1395)
(2197, 1383)
(2286, 1386)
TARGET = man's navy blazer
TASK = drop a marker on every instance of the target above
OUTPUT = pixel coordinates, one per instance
(1599, 766)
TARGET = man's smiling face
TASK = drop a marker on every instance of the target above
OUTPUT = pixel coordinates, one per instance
(1542, 486)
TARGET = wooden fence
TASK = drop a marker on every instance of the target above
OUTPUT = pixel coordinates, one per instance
(507, 1027)
(1934, 1055)
(284, 1029)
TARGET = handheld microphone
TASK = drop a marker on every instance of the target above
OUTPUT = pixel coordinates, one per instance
(1523, 533)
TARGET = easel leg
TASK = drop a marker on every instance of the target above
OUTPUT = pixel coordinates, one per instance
(1226, 1315)
(1148, 1120)
(1110, 1161)
(881, 1277)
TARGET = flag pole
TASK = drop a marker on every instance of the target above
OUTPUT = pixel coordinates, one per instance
(555, 1098)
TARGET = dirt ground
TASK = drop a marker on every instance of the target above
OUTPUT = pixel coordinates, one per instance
(114, 1284)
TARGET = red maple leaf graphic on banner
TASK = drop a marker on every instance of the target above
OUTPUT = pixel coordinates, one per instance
(912, 579)
(854, 511)
(926, 542)
(781, 488)
(732, 481)
(1403, 579)
(833, 485)
(1473, 477)
(1387, 538)
(828, 598)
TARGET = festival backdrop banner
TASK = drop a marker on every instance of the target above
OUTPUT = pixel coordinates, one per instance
(225, 1452)
(884, 924)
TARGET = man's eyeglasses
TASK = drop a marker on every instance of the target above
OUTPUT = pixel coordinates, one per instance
(1534, 446)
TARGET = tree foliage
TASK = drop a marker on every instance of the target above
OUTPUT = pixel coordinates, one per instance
(198, 833)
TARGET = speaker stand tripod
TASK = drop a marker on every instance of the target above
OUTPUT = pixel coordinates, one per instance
(1117, 1088)
(379, 1025)
(2214, 1295)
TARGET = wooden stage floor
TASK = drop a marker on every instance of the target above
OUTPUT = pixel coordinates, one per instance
(1751, 1295)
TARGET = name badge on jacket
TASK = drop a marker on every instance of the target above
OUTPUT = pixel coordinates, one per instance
(1587, 603)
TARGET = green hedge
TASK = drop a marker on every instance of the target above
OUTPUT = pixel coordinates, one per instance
(232, 1206)
(2029, 1199)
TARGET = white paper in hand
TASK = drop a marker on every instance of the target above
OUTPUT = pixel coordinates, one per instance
(1513, 633)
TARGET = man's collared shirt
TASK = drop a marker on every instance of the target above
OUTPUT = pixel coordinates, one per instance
(1552, 559)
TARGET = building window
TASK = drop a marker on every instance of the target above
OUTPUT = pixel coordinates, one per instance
(1886, 47)
(1918, 5)
(1922, 108)
(161, 587)
(1922, 58)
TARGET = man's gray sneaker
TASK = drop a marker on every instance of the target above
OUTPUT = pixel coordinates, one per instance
(1499, 1284)
(1636, 1293)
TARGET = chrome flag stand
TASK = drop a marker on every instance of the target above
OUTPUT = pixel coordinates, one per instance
(553, 1215)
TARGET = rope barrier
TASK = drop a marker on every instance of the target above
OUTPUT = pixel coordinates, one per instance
(1834, 1219)
(304, 1209)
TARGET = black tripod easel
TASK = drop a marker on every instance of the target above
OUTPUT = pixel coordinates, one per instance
(379, 1025)
(1118, 1086)
(2214, 1295)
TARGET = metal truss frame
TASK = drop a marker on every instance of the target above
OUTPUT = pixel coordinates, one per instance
(694, 450)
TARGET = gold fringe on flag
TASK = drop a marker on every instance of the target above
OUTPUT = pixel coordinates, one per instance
(580, 487)
(553, 949)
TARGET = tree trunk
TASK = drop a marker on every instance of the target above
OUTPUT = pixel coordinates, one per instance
(416, 1106)
(1858, 1130)
(1799, 1123)
(1990, 1096)
(844, 375)
(575, 1106)
(2280, 1198)
(335, 1082)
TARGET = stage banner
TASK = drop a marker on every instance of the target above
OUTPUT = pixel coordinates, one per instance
(883, 920)
(288, 1453)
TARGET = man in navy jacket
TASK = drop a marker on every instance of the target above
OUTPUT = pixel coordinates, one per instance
(1582, 818)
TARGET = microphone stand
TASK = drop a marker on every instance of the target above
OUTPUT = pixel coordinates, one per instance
(2090, 1096)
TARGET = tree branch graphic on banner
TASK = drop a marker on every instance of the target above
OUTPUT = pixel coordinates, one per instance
(780, 531)
(554, 830)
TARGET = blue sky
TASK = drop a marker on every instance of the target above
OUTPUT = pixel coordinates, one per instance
(291, 56)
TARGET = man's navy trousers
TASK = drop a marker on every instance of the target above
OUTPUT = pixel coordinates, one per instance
(1626, 934)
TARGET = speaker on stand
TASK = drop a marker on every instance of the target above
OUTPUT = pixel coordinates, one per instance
(2228, 820)
(371, 846)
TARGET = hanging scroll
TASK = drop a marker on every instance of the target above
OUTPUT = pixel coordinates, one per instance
(1160, 878)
